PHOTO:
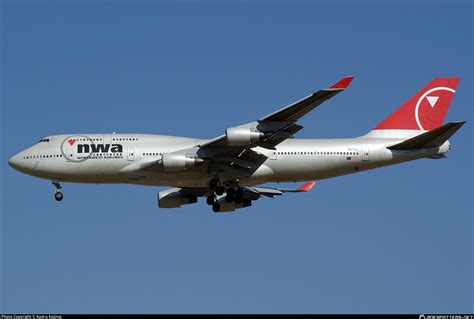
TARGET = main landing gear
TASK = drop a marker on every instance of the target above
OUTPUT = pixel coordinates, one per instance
(214, 186)
(216, 190)
(58, 195)
(234, 193)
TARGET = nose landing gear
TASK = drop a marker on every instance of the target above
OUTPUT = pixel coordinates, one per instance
(58, 195)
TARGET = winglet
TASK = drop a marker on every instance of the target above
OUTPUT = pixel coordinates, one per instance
(307, 187)
(342, 84)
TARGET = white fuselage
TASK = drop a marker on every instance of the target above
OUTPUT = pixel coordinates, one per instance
(105, 158)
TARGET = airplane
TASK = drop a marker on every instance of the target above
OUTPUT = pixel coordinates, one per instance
(229, 169)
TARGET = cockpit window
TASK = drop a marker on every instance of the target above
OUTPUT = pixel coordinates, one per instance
(44, 140)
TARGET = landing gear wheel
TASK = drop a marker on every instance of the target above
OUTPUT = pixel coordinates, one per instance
(216, 207)
(210, 200)
(239, 196)
(230, 196)
(219, 190)
(58, 196)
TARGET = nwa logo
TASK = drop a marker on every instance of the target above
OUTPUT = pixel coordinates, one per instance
(98, 148)
(79, 148)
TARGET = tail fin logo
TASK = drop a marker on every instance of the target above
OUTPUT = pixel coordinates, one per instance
(426, 112)
(432, 100)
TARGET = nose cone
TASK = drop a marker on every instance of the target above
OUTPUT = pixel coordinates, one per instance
(15, 162)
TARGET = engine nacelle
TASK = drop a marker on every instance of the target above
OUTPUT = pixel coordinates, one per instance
(172, 198)
(241, 136)
(179, 162)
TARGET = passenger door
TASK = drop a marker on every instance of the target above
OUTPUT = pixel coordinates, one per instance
(70, 154)
(131, 154)
(273, 155)
(365, 154)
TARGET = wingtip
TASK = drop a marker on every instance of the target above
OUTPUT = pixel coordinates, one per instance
(307, 187)
(342, 84)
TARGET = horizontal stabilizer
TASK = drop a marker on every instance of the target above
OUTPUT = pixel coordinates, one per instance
(431, 139)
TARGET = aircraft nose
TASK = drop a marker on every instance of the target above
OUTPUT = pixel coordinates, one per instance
(14, 161)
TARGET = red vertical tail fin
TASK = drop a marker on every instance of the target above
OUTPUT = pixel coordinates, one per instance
(426, 110)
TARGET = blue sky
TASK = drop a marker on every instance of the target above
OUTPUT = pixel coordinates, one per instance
(398, 239)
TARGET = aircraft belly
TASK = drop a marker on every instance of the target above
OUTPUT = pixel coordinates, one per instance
(311, 169)
(191, 178)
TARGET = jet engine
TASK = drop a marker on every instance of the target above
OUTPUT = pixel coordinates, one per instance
(180, 162)
(173, 198)
(241, 136)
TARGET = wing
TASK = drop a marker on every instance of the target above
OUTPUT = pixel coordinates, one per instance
(271, 192)
(233, 152)
(298, 109)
